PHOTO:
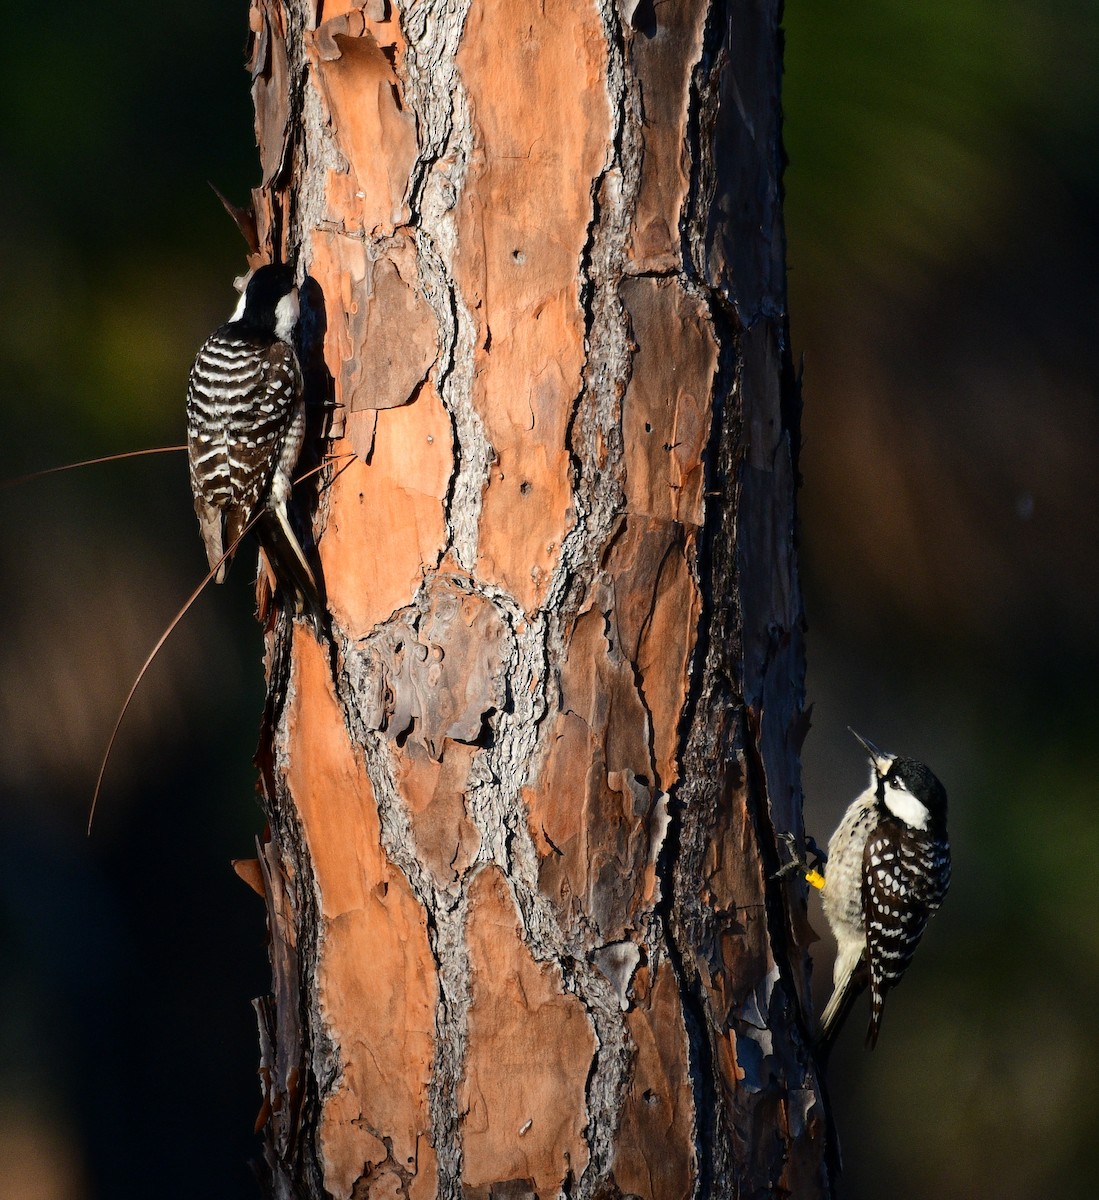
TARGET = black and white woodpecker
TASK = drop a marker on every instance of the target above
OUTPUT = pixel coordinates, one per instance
(245, 429)
(888, 870)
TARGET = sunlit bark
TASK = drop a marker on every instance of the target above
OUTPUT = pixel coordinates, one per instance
(523, 808)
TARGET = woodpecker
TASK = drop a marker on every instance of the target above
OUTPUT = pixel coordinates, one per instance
(245, 428)
(888, 870)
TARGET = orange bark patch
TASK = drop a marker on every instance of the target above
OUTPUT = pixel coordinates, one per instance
(597, 684)
(556, 817)
(657, 605)
(666, 412)
(529, 1051)
(598, 845)
(536, 89)
(655, 1156)
(375, 975)
(372, 573)
(434, 791)
(353, 63)
(663, 658)
(599, 862)
(370, 285)
(626, 672)
(373, 302)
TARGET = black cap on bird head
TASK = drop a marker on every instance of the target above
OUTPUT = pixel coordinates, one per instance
(269, 301)
(914, 776)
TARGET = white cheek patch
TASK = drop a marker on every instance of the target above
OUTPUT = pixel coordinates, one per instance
(238, 312)
(905, 807)
(286, 315)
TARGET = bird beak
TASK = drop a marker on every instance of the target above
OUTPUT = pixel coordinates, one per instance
(879, 758)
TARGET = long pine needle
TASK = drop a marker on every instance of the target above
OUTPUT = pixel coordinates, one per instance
(87, 462)
(177, 618)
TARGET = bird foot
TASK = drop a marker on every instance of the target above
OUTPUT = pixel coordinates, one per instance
(808, 863)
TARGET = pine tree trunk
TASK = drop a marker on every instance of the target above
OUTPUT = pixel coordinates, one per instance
(523, 808)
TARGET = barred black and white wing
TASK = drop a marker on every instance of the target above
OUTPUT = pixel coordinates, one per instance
(243, 397)
(245, 429)
(906, 873)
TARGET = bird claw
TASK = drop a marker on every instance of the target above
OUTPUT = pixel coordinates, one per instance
(809, 862)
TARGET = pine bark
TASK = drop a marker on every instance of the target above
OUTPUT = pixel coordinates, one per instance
(523, 807)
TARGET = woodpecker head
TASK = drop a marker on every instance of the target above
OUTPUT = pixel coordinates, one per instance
(906, 788)
(269, 302)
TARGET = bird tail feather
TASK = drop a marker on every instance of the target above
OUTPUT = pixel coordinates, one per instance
(844, 995)
(290, 566)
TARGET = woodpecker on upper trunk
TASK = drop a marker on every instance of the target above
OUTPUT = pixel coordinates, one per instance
(245, 428)
(888, 871)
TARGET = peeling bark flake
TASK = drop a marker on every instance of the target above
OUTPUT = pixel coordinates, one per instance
(530, 1050)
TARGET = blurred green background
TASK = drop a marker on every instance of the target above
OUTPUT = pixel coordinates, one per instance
(941, 218)
(941, 214)
(127, 962)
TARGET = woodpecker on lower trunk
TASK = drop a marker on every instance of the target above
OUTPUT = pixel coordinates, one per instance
(888, 870)
(245, 428)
